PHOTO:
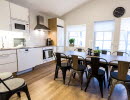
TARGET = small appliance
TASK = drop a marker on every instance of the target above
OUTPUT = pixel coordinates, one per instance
(49, 42)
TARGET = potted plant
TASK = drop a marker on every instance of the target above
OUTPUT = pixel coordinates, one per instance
(71, 41)
(97, 52)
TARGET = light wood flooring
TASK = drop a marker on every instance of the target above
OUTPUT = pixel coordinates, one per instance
(42, 86)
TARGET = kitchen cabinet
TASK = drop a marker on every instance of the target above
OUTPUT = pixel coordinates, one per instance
(4, 15)
(19, 12)
(29, 58)
(57, 32)
(8, 61)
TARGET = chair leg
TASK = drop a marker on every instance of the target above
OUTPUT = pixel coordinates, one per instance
(109, 82)
(5, 96)
(74, 75)
(19, 95)
(104, 82)
(106, 69)
(113, 83)
(64, 74)
(88, 81)
(56, 72)
(70, 78)
(27, 92)
(101, 86)
(86, 74)
(81, 78)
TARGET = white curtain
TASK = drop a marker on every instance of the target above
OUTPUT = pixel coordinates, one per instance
(102, 26)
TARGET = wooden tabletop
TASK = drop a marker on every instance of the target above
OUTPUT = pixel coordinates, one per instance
(109, 58)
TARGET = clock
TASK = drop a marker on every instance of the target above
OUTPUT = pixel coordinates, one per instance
(118, 12)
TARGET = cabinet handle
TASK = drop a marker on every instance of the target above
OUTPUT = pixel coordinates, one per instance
(4, 55)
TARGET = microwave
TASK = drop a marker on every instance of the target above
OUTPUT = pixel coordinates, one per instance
(20, 26)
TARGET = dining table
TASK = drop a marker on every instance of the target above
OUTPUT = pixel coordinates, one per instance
(111, 59)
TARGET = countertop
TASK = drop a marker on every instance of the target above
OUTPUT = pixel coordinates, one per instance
(15, 48)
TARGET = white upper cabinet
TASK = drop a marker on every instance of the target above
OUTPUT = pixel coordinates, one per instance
(19, 12)
(60, 22)
(4, 15)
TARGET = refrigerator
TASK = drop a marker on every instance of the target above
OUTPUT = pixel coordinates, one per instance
(60, 39)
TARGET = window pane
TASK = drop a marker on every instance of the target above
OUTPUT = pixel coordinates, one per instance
(99, 44)
(107, 35)
(122, 46)
(99, 35)
(107, 45)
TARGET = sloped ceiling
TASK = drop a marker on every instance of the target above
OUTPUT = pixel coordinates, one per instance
(55, 8)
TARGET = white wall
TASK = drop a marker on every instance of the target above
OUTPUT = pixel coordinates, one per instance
(97, 10)
(36, 37)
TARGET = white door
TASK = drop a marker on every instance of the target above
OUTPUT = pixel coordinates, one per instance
(4, 15)
(60, 36)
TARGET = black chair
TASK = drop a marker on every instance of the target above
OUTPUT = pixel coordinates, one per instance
(119, 53)
(12, 86)
(94, 71)
(77, 68)
(64, 66)
(105, 52)
(79, 50)
(120, 77)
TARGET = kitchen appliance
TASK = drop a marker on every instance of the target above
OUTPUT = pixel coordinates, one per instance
(20, 26)
(40, 26)
(48, 54)
(48, 42)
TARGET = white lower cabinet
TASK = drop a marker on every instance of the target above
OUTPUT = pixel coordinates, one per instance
(10, 67)
(29, 58)
(8, 61)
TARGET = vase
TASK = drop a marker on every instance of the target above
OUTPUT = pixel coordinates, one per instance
(96, 54)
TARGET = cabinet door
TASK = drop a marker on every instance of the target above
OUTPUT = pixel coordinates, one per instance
(60, 22)
(60, 36)
(37, 56)
(10, 67)
(4, 15)
(24, 59)
(19, 12)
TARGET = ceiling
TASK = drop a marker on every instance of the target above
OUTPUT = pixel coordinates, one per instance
(55, 8)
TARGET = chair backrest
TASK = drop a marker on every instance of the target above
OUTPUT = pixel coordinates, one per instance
(95, 64)
(75, 62)
(79, 50)
(58, 57)
(123, 69)
(119, 53)
(105, 51)
(75, 59)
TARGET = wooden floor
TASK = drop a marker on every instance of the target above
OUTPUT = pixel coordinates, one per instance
(42, 86)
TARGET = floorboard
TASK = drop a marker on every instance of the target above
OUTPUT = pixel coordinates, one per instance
(42, 86)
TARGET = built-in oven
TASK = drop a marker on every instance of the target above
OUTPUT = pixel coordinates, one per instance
(20, 26)
(48, 54)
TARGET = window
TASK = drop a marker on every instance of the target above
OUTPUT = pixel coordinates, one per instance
(103, 34)
(78, 32)
(124, 44)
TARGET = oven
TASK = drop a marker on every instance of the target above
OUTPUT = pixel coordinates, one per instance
(48, 54)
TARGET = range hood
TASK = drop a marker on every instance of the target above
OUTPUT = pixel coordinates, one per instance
(40, 26)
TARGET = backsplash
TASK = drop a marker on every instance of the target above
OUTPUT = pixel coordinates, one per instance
(34, 38)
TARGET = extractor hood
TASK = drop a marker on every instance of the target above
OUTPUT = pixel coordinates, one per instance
(40, 26)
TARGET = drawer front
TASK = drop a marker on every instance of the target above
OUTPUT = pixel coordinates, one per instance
(7, 58)
(11, 67)
(7, 52)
